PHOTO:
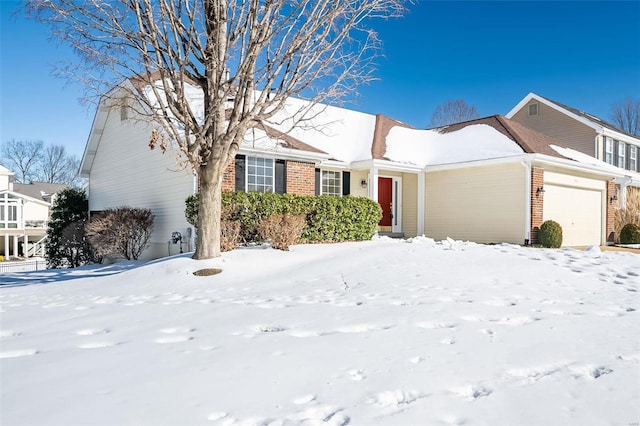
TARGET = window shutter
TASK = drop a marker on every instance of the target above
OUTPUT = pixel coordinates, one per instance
(318, 180)
(240, 174)
(281, 177)
(346, 183)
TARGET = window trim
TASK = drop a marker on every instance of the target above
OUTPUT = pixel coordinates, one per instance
(608, 150)
(621, 155)
(633, 156)
(339, 186)
(246, 173)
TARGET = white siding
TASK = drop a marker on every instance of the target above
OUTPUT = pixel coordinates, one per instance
(35, 211)
(126, 172)
(481, 204)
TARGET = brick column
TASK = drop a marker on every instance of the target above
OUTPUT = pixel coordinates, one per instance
(301, 178)
(611, 211)
(537, 202)
(229, 178)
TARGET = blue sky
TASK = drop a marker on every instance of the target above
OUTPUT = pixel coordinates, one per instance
(585, 54)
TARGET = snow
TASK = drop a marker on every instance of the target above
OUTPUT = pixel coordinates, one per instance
(412, 332)
(344, 134)
(583, 158)
(429, 148)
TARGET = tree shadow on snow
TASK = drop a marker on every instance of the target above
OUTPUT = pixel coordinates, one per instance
(46, 276)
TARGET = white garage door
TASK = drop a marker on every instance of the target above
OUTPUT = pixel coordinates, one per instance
(578, 211)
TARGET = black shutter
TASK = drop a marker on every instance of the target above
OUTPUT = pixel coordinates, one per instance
(317, 181)
(346, 183)
(281, 177)
(240, 181)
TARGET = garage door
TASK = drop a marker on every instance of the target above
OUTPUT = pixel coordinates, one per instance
(578, 211)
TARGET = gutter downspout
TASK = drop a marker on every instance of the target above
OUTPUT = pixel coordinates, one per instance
(527, 214)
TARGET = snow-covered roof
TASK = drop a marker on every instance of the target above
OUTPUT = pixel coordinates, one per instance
(430, 147)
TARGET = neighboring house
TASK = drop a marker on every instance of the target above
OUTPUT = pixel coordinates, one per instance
(489, 180)
(581, 131)
(24, 213)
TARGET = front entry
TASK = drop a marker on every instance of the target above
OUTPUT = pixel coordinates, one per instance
(385, 199)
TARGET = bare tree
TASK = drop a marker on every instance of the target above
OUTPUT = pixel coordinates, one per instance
(21, 157)
(56, 166)
(245, 58)
(626, 115)
(452, 112)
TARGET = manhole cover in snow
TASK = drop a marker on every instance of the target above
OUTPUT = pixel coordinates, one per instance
(207, 272)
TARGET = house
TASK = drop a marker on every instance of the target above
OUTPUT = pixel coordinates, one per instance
(24, 213)
(489, 180)
(582, 132)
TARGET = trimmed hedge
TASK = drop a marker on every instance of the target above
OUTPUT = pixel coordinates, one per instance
(328, 219)
(550, 234)
(630, 234)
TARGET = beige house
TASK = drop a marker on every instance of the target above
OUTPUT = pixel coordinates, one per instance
(490, 180)
(24, 213)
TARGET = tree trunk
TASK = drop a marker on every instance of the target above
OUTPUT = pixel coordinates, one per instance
(209, 211)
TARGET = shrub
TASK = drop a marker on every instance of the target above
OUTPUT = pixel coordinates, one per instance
(124, 232)
(630, 213)
(550, 234)
(66, 247)
(328, 219)
(229, 235)
(630, 234)
(282, 230)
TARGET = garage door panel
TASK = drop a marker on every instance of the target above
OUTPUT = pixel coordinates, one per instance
(577, 210)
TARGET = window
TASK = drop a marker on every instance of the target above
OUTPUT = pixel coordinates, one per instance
(8, 211)
(633, 158)
(622, 155)
(608, 150)
(533, 110)
(331, 183)
(260, 174)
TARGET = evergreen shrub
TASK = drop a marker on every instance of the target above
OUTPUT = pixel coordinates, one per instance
(630, 234)
(550, 234)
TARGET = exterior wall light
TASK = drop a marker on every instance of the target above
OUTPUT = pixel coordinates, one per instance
(363, 183)
(539, 191)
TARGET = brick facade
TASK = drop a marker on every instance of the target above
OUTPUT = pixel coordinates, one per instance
(229, 178)
(301, 178)
(537, 203)
(611, 210)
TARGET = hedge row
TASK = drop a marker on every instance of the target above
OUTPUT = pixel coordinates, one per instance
(328, 219)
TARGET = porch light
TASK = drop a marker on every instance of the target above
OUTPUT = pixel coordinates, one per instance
(363, 183)
(539, 191)
(613, 198)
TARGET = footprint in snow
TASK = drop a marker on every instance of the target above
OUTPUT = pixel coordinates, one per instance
(473, 392)
(9, 333)
(92, 331)
(97, 345)
(18, 353)
(304, 399)
(175, 335)
(416, 359)
(357, 375)
(395, 398)
(590, 372)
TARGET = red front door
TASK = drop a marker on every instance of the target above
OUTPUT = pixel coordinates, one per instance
(385, 190)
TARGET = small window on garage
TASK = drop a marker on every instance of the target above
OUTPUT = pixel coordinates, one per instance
(533, 110)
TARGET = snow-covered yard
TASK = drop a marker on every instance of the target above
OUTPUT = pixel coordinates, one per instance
(374, 333)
